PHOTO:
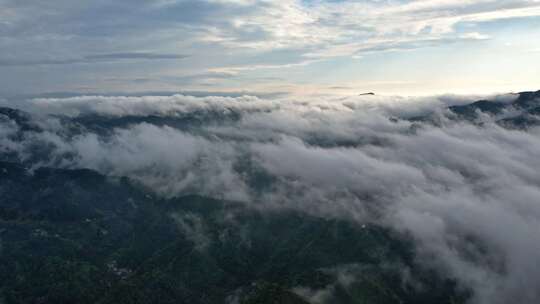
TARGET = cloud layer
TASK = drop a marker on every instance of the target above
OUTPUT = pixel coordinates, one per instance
(466, 192)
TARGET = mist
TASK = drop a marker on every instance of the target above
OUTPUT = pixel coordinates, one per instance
(466, 191)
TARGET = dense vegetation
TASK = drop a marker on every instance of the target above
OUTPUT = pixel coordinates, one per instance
(74, 236)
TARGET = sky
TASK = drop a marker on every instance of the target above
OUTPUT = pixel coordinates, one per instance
(298, 47)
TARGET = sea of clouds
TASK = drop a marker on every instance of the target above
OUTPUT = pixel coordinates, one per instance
(467, 193)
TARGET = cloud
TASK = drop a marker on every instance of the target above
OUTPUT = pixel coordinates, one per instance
(465, 193)
(145, 105)
(474, 36)
(337, 29)
(327, 28)
(150, 56)
(192, 226)
(75, 44)
(112, 57)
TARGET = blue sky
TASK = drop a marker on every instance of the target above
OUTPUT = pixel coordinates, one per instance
(281, 46)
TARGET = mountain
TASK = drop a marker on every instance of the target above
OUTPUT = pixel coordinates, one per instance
(519, 113)
(69, 234)
(75, 236)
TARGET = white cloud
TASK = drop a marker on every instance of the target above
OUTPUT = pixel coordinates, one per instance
(243, 37)
(342, 28)
(467, 194)
(146, 105)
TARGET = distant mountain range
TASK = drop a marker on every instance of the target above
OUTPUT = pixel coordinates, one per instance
(518, 113)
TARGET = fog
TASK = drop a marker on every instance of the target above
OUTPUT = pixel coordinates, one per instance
(467, 193)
